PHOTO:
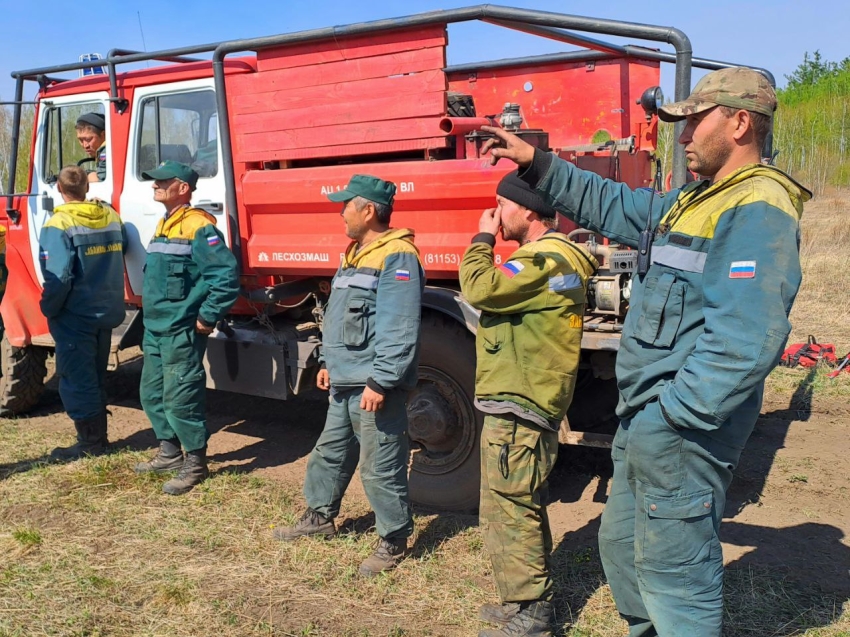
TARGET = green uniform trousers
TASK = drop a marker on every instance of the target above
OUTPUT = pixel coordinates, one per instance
(659, 534)
(516, 459)
(379, 441)
(173, 388)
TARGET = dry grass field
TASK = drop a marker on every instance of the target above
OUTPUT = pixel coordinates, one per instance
(90, 549)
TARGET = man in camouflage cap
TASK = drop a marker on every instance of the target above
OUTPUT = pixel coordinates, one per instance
(709, 321)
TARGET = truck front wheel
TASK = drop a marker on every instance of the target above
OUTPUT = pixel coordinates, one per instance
(444, 425)
(22, 382)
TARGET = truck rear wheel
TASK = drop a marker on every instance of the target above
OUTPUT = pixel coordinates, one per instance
(445, 427)
(22, 382)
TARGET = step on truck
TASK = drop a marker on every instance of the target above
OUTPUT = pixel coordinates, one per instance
(274, 124)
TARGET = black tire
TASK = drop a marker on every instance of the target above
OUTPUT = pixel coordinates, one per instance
(22, 383)
(445, 427)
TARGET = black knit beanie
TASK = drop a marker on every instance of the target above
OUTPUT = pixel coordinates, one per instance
(513, 188)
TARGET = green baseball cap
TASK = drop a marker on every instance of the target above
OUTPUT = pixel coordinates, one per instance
(738, 87)
(173, 170)
(368, 187)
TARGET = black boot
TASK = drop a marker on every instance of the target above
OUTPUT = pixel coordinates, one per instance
(192, 473)
(534, 619)
(91, 440)
(168, 458)
(500, 614)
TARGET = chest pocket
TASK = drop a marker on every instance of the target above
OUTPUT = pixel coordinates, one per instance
(355, 323)
(176, 283)
(661, 313)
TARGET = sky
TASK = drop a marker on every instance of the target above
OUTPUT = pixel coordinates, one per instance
(769, 34)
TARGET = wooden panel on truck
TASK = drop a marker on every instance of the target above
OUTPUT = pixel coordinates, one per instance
(572, 101)
(329, 98)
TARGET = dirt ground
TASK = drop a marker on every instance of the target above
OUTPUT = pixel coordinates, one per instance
(788, 510)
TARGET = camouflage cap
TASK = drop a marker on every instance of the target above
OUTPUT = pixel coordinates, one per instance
(737, 87)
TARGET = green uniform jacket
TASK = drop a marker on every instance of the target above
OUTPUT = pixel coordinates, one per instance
(81, 254)
(529, 335)
(370, 334)
(709, 320)
(190, 274)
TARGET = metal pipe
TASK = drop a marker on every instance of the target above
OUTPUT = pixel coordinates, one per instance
(16, 139)
(463, 125)
(560, 35)
(286, 290)
(116, 53)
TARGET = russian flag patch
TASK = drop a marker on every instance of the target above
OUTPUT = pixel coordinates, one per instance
(43, 255)
(511, 268)
(742, 270)
(213, 240)
(402, 275)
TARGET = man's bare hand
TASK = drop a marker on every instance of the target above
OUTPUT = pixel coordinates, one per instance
(490, 221)
(371, 400)
(323, 380)
(507, 145)
(200, 328)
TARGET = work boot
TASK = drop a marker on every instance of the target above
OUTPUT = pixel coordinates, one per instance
(311, 523)
(500, 614)
(386, 557)
(168, 458)
(534, 619)
(91, 440)
(192, 473)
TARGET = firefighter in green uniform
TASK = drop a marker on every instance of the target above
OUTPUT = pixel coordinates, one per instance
(81, 256)
(709, 320)
(190, 284)
(91, 133)
(370, 345)
(527, 347)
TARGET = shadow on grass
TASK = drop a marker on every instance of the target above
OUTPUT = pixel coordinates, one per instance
(11, 468)
(767, 439)
(780, 592)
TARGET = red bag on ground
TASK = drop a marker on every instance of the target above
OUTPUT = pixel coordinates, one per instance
(809, 354)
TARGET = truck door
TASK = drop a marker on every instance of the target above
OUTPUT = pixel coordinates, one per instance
(178, 122)
(56, 147)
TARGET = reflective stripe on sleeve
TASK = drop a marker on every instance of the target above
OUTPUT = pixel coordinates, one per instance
(564, 282)
(679, 258)
(170, 248)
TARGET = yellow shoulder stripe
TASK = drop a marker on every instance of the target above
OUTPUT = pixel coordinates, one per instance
(184, 224)
(702, 218)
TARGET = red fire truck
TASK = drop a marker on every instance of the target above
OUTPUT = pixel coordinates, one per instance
(274, 124)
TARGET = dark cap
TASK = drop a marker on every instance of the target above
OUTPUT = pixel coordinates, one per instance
(738, 87)
(173, 170)
(92, 119)
(368, 187)
(513, 188)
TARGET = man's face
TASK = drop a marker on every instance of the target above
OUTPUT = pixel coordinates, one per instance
(708, 142)
(90, 139)
(355, 220)
(514, 219)
(170, 192)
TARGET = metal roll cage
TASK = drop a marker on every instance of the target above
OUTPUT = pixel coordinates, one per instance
(542, 23)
